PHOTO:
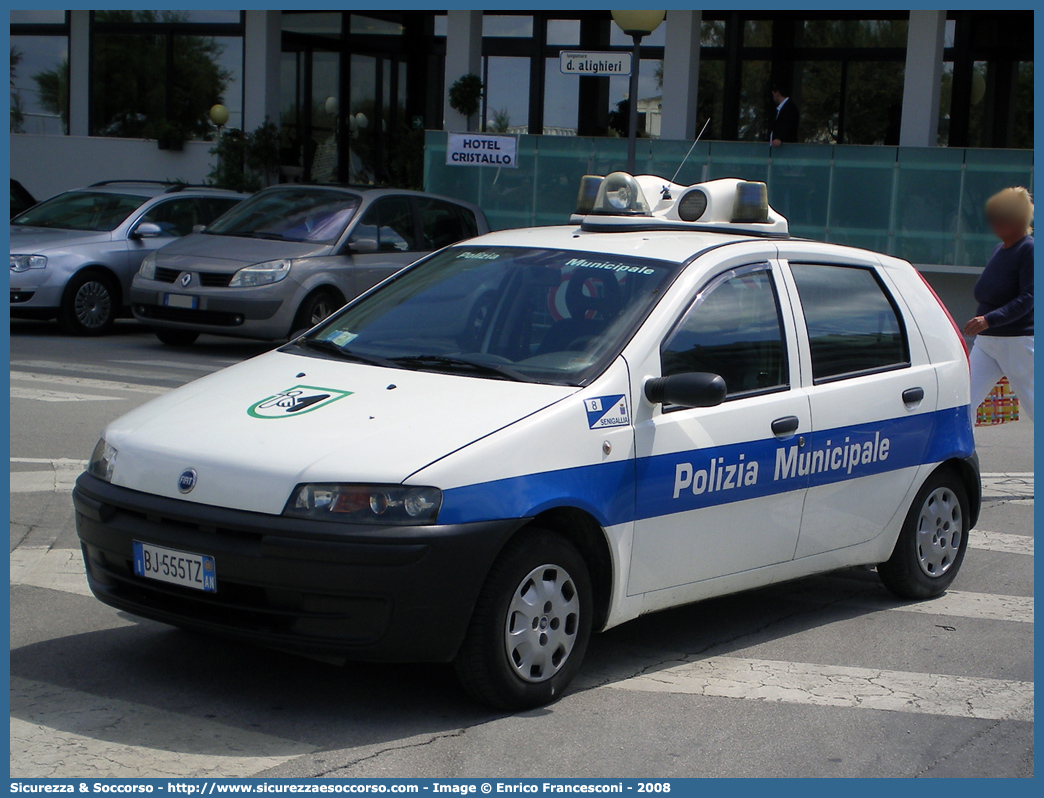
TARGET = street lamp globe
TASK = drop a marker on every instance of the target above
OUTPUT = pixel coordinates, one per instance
(641, 22)
(219, 115)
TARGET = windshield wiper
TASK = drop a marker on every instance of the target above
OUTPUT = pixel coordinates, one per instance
(322, 345)
(267, 236)
(456, 364)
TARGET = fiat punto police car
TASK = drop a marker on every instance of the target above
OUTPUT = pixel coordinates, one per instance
(538, 434)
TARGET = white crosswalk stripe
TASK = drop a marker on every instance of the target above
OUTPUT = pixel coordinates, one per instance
(86, 383)
(839, 686)
(48, 395)
(60, 732)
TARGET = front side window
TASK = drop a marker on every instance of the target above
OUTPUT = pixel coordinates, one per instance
(853, 325)
(388, 223)
(733, 329)
(314, 215)
(527, 314)
(90, 211)
(175, 218)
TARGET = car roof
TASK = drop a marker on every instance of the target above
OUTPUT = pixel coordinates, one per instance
(371, 193)
(666, 245)
(148, 189)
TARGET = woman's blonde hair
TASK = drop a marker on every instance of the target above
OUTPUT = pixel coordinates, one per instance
(1012, 204)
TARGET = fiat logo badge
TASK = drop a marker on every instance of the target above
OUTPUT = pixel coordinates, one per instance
(187, 480)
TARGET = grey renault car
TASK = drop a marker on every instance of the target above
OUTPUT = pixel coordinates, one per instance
(290, 256)
(74, 255)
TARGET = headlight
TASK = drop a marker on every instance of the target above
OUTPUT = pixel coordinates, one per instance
(102, 461)
(394, 505)
(147, 270)
(23, 263)
(261, 274)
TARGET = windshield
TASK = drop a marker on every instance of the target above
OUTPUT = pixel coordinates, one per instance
(93, 211)
(537, 315)
(315, 215)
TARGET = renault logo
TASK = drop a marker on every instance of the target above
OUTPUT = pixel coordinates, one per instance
(187, 480)
(186, 278)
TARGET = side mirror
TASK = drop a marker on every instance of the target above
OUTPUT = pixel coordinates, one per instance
(147, 230)
(363, 246)
(198, 228)
(698, 389)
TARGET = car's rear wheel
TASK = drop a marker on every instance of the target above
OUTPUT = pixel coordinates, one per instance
(316, 307)
(177, 337)
(89, 304)
(531, 624)
(934, 538)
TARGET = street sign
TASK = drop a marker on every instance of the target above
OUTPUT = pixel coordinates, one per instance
(580, 62)
(479, 149)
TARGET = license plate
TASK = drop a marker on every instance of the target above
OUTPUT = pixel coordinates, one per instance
(183, 568)
(181, 301)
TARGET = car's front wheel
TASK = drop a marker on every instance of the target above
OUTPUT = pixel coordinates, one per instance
(89, 304)
(531, 624)
(177, 337)
(934, 538)
(316, 307)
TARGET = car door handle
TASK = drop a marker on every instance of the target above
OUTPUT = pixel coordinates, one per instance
(785, 425)
(912, 396)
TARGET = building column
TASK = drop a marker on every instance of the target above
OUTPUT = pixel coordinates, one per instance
(262, 55)
(923, 82)
(79, 73)
(463, 57)
(681, 74)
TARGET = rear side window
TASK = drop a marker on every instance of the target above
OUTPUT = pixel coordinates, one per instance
(444, 223)
(853, 324)
(733, 329)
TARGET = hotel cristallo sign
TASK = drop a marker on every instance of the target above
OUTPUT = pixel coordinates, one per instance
(481, 149)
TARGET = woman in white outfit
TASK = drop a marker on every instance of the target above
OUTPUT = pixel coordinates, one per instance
(1003, 324)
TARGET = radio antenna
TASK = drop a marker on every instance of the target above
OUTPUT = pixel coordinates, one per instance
(691, 149)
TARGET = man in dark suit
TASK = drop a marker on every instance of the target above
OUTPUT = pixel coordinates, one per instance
(785, 125)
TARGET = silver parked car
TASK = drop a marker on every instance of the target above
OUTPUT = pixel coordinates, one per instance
(290, 256)
(73, 256)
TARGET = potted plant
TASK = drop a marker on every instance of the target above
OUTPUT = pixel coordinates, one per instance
(170, 136)
(465, 94)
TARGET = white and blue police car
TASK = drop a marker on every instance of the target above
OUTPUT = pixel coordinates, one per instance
(541, 433)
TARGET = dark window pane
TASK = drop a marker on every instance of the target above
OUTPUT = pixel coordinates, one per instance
(733, 330)
(757, 111)
(852, 324)
(820, 102)
(136, 93)
(873, 101)
(854, 33)
(1022, 136)
(712, 33)
(40, 84)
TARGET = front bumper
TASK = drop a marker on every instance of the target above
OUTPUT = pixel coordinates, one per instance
(362, 592)
(265, 312)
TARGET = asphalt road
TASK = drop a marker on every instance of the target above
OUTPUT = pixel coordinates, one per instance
(827, 676)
